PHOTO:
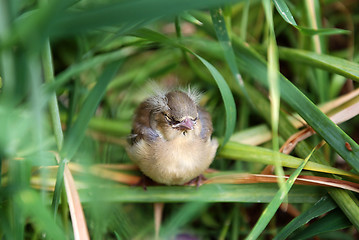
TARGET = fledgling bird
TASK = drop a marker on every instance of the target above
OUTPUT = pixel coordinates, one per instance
(171, 138)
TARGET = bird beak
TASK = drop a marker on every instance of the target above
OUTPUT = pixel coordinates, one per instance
(186, 124)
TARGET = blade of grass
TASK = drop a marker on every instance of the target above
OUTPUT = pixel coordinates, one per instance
(30, 203)
(260, 192)
(224, 39)
(181, 217)
(75, 136)
(53, 106)
(56, 123)
(226, 225)
(285, 13)
(340, 117)
(77, 68)
(159, 62)
(244, 21)
(322, 31)
(321, 77)
(253, 136)
(321, 207)
(7, 58)
(189, 18)
(135, 11)
(77, 132)
(335, 220)
(240, 178)
(227, 96)
(32, 27)
(330, 63)
(58, 186)
(158, 213)
(76, 211)
(273, 79)
(218, 178)
(273, 206)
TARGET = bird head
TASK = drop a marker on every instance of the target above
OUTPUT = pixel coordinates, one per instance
(182, 111)
(178, 113)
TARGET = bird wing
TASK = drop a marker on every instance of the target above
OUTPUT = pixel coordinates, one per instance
(206, 123)
(141, 128)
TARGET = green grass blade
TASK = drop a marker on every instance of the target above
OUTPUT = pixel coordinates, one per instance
(244, 21)
(348, 203)
(77, 132)
(75, 136)
(284, 11)
(321, 207)
(7, 57)
(322, 31)
(266, 156)
(273, 206)
(181, 217)
(53, 106)
(331, 64)
(258, 192)
(135, 11)
(160, 62)
(58, 186)
(30, 203)
(335, 220)
(223, 38)
(321, 82)
(228, 99)
(76, 69)
(31, 28)
(274, 92)
(56, 123)
(189, 18)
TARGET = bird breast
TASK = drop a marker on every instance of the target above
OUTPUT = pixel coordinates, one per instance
(175, 161)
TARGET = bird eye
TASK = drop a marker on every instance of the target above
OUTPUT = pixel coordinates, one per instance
(168, 119)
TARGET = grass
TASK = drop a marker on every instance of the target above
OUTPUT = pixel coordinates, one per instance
(73, 72)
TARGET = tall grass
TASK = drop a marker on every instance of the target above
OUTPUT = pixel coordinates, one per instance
(72, 73)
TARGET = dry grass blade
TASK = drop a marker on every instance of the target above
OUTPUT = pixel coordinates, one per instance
(158, 212)
(291, 142)
(302, 180)
(346, 114)
(121, 141)
(118, 166)
(104, 172)
(253, 136)
(329, 106)
(76, 211)
(340, 117)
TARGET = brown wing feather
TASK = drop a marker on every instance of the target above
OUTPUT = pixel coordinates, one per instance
(206, 123)
(141, 128)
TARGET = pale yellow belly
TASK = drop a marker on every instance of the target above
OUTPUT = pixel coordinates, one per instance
(173, 162)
